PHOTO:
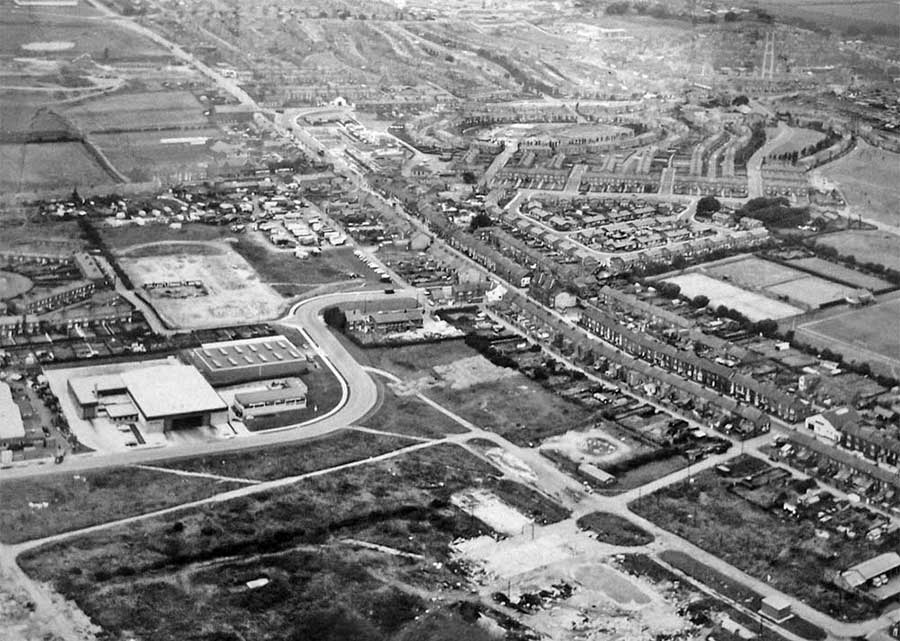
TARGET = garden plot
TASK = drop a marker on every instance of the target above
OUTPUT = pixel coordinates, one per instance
(490, 510)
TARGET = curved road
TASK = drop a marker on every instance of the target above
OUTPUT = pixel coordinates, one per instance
(359, 396)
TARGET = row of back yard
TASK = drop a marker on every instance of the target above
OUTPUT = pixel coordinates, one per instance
(356, 554)
(739, 516)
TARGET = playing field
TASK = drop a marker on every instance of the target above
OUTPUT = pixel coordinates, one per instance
(866, 246)
(867, 334)
(810, 291)
(144, 156)
(140, 111)
(235, 293)
(840, 273)
(754, 306)
(753, 272)
(34, 167)
(797, 140)
(869, 178)
(11, 285)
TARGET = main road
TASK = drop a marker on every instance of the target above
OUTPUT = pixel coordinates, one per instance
(359, 396)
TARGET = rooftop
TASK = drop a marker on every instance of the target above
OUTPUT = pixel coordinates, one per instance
(11, 423)
(250, 352)
(867, 570)
(167, 390)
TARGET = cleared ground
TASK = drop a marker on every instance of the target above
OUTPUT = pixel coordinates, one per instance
(142, 111)
(350, 553)
(35, 508)
(754, 306)
(235, 292)
(869, 178)
(878, 247)
(872, 332)
(35, 167)
(840, 273)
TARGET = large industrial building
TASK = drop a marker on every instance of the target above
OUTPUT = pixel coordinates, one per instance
(252, 359)
(277, 397)
(12, 431)
(158, 398)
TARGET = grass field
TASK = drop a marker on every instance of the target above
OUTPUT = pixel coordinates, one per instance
(869, 178)
(615, 530)
(143, 156)
(81, 500)
(35, 167)
(878, 247)
(840, 273)
(11, 285)
(754, 306)
(784, 552)
(799, 138)
(810, 290)
(120, 237)
(185, 576)
(409, 415)
(266, 464)
(141, 111)
(752, 272)
(871, 329)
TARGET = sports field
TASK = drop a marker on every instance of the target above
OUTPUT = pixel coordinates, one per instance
(235, 293)
(869, 178)
(866, 246)
(865, 334)
(840, 273)
(752, 272)
(754, 306)
(810, 291)
(797, 140)
(140, 111)
(145, 155)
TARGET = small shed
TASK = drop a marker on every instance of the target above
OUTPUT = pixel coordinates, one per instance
(777, 608)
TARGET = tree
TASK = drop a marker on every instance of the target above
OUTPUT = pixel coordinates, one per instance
(767, 327)
(480, 220)
(700, 301)
(469, 178)
(669, 290)
(335, 317)
(708, 205)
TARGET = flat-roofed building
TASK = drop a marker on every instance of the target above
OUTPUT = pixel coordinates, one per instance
(12, 430)
(278, 396)
(877, 579)
(252, 359)
(158, 398)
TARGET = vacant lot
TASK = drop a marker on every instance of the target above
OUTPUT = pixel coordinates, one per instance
(870, 331)
(840, 273)
(35, 508)
(235, 293)
(281, 267)
(186, 577)
(754, 306)
(277, 462)
(35, 167)
(417, 360)
(144, 156)
(784, 552)
(409, 415)
(878, 247)
(615, 530)
(122, 236)
(869, 178)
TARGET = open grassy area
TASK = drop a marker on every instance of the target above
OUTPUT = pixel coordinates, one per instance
(413, 361)
(866, 246)
(81, 500)
(782, 551)
(265, 464)
(869, 178)
(279, 266)
(409, 415)
(128, 235)
(58, 165)
(615, 530)
(185, 576)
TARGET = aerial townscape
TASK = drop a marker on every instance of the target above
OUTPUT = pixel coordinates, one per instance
(460, 320)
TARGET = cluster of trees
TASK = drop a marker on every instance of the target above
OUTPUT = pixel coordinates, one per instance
(757, 140)
(335, 317)
(708, 205)
(775, 212)
(828, 252)
(830, 139)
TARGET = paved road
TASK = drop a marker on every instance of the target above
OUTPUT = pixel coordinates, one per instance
(359, 396)
(755, 186)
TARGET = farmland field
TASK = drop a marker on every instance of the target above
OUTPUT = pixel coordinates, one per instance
(866, 246)
(841, 273)
(869, 178)
(754, 306)
(868, 334)
(33, 167)
(140, 111)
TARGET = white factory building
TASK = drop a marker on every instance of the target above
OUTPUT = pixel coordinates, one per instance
(156, 398)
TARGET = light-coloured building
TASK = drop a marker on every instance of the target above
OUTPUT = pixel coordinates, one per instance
(252, 359)
(12, 430)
